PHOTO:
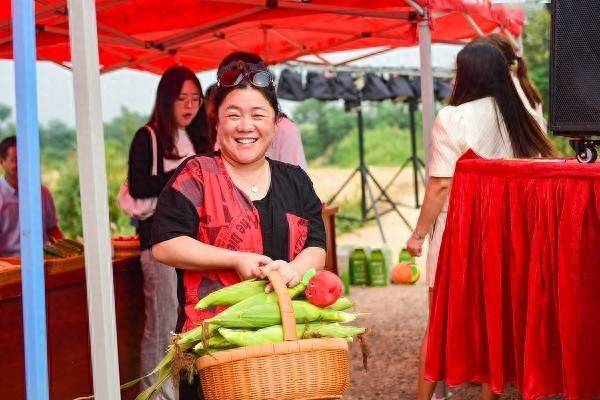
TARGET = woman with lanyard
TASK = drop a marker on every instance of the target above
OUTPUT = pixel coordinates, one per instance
(487, 116)
(236, 214)
(179, 127)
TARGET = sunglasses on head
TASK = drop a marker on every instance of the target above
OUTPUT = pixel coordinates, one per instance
(235, 72)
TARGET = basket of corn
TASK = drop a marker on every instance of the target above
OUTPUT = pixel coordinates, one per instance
(293, 368)
(264, 345)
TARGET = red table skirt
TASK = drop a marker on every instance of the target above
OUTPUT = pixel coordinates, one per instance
(517, 295)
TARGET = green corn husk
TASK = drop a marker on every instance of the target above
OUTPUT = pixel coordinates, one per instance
(232, 294)
(257, 299)
(215, 342)
(274, 334)
(343, 303)
(264, 315)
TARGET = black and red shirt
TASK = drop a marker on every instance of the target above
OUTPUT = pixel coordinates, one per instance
(202, 202)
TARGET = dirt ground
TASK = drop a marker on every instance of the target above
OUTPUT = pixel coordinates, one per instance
(396, 315)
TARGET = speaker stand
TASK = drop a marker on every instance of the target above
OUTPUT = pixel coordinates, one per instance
(366, 180)
(417, 163)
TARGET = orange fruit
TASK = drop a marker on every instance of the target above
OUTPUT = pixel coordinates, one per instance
(402, 273)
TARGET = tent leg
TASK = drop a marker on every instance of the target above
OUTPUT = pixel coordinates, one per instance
(426, 87)
(94, 204)
(30, 210)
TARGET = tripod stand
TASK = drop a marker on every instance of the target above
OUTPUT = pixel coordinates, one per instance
(366, 180)
(417, 163)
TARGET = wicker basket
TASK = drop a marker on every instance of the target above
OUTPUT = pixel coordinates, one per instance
(308, 369)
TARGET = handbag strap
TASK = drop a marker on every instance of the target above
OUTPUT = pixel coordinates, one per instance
(154, 151)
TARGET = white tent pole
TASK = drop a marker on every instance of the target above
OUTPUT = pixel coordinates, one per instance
(94, 203)
(427, 103)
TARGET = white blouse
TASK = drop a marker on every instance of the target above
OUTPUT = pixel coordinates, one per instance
(184, 148)
(476, 125)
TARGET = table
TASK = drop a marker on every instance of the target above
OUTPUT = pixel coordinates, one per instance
(329, 213)
(517, 296)
(69, 361)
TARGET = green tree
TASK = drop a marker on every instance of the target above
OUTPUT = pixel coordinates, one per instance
(7, 128)
(322, 124)
(536, 48)
(58, 142)
(536, 38)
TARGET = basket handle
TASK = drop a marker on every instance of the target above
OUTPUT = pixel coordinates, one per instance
(288, 318)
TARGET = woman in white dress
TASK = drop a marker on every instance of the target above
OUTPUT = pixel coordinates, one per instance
(487, 116)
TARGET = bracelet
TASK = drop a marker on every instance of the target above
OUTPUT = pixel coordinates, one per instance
(418, 236)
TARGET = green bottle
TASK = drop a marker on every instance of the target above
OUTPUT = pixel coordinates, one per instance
(377, 270)
(406, 257)
(358, 267)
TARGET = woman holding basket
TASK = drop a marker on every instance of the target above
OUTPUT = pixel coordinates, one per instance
(235, 214)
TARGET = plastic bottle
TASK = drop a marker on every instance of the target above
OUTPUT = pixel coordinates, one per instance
(377, 270)
(358, 267)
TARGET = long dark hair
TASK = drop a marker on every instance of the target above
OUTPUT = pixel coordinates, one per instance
(482, 71)
(510, 53)
(162, 117)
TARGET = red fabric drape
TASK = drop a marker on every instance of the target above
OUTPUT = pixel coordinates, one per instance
(517, 294)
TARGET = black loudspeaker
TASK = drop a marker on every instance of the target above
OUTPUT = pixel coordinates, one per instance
(575, 68)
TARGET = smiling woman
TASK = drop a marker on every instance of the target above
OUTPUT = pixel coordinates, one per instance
(235, 214)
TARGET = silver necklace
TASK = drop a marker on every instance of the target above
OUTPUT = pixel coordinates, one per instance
(254, 186)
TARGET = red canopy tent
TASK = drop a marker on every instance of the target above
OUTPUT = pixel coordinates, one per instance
(153, 34)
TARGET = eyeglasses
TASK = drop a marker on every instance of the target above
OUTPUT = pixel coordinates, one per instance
(234, 73)
(191, 98)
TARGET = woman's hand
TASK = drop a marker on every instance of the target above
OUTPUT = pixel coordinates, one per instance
(290, 275)
(414, 245)
(250, 265)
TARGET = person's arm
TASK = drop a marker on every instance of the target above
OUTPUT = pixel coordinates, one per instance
(446, 147)
(142, 184)
(191, 254)
(175, 229)
(436, 194)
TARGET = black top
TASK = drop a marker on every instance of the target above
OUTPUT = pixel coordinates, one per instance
(291, 191)
(142, 184)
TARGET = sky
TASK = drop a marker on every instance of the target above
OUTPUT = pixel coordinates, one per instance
(136, 90)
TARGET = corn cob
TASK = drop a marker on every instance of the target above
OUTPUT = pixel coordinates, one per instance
(232, 294)
(216, 342)
(274, 334)
(54, 251)
(264, 315)
(74, 243)
(343, 303)
(257, 299)
(66, 246)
